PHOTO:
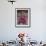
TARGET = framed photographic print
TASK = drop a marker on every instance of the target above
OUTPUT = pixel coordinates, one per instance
(22, 17)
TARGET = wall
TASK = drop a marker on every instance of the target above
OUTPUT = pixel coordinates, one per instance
(8, 31)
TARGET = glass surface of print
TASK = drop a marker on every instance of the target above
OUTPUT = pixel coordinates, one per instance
(22, 17)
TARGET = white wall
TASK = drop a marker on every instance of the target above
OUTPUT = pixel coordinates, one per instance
(37, 31)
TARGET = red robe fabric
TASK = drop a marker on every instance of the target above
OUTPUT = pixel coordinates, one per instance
(22, 20)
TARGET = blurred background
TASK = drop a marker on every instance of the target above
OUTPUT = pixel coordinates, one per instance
(37, 31)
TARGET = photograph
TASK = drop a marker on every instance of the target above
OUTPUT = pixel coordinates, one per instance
(22, 17)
